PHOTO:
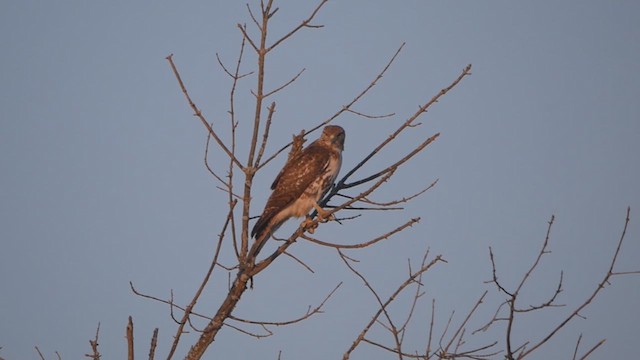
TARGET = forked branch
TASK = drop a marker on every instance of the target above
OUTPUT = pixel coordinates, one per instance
(513, 299)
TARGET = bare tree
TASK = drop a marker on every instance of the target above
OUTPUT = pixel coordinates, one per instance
(350, 197)
(451, 342)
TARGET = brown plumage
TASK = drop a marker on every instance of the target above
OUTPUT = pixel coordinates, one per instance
(301, 183)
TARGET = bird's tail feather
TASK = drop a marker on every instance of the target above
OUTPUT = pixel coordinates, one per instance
(261, 232)
(261, 226)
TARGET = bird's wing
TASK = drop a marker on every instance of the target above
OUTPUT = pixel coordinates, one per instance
(292, 181)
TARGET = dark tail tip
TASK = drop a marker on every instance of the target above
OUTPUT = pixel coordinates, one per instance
(258, 228)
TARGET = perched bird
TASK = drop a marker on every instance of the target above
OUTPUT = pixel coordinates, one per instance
(301, 183)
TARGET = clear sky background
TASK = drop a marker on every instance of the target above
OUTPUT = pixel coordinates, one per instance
(102, 179)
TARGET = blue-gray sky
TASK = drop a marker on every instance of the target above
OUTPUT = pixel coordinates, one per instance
(103, 181)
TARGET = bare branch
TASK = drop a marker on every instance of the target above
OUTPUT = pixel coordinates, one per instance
(371, 116)
(588, 301)
(285, 84)
(395, 351)
(430, 337)
(255, 21)
(206, 164)
(364, 244)
(575, 351)
(376, 317)
(495, 275)
(548, 303)
(418, 294)
(300, 262)
(130, 339)
(305, 23)
(205, 281)
(252, 334)
(265, 134)
(403, 200)
(411, 279)
(95, 354)
(540, 254)
(154, 343)
(310, 312)
(243, 30)
(167, 302)
(198, 113)
(494, 319)
(625, 273)
(588, 353)
(232, 119)
(39, 353)
(462, 325)
(235, 76)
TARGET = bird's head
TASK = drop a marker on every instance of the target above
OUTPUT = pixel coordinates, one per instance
(333, 135)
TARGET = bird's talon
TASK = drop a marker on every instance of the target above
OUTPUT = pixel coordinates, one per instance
(323, 215)
(309, 225)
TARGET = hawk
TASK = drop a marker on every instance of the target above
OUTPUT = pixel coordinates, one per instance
(301, 183)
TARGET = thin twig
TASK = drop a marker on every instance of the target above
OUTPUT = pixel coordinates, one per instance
(300, 262)
(243, 30)
(310, 312)
(285, 84)
(265, 134)
(403, 200)
(198, 113)
(588, 353)
(364, 244)
(39, 353)
(154, 343)
(371, 116)
(430, 336)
